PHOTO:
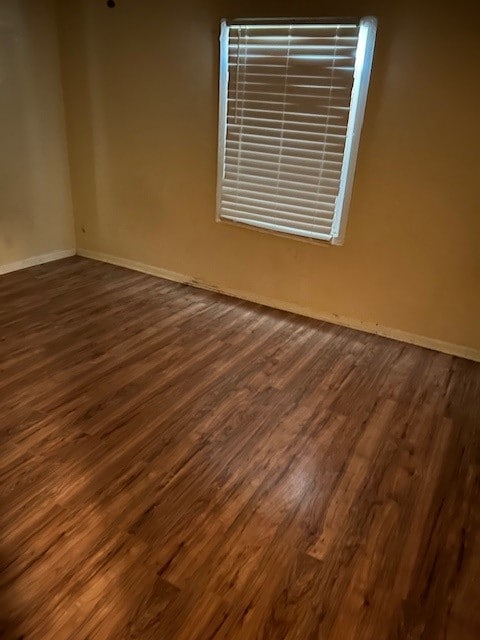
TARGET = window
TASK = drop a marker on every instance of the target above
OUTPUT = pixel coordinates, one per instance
(292, 99)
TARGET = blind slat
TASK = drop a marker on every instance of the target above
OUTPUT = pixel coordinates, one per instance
(269, 182)
(321, 219)
(305, 198)
(293, 93)
(297, 116)
(322, 225)
(245, 47)
(283, 159)
(297, 68)
(242, 133)
(307, 231)
(286, 145)
(311, 39)
(297, 86)
(295, 181)
(298, 127)
(288, 203)
(264, 168)
(277, 139)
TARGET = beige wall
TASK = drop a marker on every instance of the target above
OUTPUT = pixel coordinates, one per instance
(35, 202)
(140, 85)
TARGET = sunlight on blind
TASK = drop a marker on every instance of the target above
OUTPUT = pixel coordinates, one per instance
(287, 92)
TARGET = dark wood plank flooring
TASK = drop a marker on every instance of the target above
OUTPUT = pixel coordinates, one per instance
(179, 465)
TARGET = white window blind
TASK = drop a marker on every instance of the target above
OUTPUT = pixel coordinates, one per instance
(292, 98)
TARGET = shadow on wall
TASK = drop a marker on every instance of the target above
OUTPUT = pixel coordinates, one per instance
(16, 161)
(81, 124)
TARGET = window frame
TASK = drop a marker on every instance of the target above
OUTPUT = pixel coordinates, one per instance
(358, 99)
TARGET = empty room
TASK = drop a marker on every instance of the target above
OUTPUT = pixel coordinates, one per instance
(239, 320)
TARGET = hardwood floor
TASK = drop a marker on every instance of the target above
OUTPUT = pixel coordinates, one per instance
(180, 465)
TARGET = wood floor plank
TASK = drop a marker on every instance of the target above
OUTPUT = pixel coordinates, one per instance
(179, 465)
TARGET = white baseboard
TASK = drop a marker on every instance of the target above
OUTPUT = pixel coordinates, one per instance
(396, 334)
(34, 260)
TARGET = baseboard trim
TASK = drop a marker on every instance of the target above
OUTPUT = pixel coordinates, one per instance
(35, 260)
(369, 327)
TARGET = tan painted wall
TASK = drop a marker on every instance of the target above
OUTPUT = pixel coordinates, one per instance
(35, 201)
(141, 92)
